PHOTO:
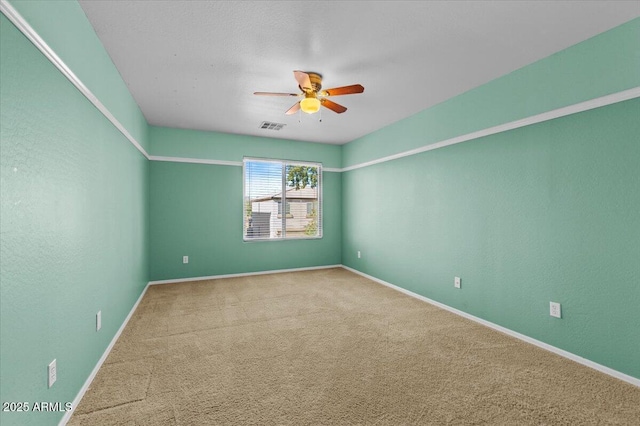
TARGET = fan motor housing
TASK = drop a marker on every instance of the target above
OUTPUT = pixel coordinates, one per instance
(316, 81)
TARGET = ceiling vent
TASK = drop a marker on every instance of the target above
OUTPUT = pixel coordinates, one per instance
(271, 126)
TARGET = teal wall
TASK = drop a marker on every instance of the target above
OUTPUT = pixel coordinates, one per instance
(604, 64)
(73, 230)
(66, 29)
(197, 208)
(547, 212)
(544, 212)
(169, 142)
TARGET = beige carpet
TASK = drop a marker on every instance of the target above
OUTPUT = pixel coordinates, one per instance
(329, 347)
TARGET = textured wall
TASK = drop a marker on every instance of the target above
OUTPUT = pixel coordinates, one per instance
(547, 212)
(73, 229)
(66, 29)
(604, 64)
(170, 142)
(196, 210)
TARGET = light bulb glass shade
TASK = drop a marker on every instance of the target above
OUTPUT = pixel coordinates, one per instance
(310, 105)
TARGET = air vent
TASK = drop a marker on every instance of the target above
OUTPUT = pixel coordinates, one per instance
(268, 125)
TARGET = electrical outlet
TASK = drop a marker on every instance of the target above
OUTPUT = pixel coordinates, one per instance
(98, 320)
(456, 282)
(555, 310)
(359, 256)
(53, 373)
(185, 259)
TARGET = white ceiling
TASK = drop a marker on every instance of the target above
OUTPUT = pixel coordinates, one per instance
(196, 64)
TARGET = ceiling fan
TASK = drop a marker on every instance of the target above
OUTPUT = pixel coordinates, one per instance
(311, 85)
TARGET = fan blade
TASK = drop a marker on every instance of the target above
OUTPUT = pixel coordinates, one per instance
(303, 80)
(274, 94)
(293, 109)
(333, 106)
(345, 90)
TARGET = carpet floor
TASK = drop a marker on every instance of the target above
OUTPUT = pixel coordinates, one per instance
(329, 347)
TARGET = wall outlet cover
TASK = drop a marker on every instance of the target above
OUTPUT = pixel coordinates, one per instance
(555, 310)
(98, 320)
(52, 372)
(185, 259)
(456, 282)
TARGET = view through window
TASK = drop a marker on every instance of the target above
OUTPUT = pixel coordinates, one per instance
(271, 184)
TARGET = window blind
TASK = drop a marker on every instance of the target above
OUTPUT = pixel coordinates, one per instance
(282, 200)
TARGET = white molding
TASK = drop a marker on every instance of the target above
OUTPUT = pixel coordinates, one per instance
(12, 14)
(94, 372)
(613, 98)
(15, 17)
(246, 274)
(217, 162)
(601, 368)
(195, 161)
(606, 370)
(87, 383)
(26, 29)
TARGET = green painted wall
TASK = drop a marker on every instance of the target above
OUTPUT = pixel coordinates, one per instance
(197, 208)
(604, 64)
(73, 230)
(197, 211)
(65, 28)
(547, 212)
(169, 142)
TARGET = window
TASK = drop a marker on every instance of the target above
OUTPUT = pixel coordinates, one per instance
(287, 209)
(311, 209)
(270, 184)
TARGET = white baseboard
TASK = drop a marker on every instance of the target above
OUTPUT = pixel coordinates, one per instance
(104, 356)
(87, 383)
(606, 370)
(246, 274)
(609, 371)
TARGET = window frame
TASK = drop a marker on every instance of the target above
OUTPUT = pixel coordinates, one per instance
(284, 164)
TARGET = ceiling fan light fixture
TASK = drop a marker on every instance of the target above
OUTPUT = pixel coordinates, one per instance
(310, 105)
(310, 83)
